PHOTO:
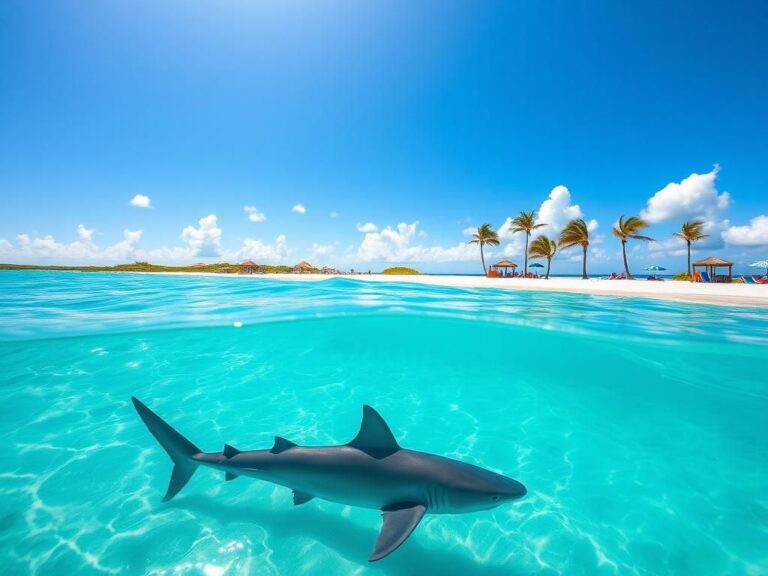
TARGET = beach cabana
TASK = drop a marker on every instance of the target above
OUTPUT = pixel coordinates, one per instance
(248, 267)
(303, 267)
(501, 268)
(710, 266)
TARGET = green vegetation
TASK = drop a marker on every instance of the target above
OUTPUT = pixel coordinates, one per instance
(576, 233)
(543, 247)
(691, 232)
(682, 276)
(219, 267)
(629, 230)
(485, 236)
(526, 222)
(401, 271)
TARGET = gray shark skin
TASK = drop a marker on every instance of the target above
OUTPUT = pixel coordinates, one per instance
(371, 471)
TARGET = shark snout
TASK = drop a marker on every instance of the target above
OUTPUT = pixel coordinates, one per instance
(514, 490)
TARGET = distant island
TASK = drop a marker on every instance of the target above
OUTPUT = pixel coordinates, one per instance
(401, 271)
(247, 267)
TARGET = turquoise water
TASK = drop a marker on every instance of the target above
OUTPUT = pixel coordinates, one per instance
(639, 427)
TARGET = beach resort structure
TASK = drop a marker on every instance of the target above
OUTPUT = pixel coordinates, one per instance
(502, 269)
(710, 266)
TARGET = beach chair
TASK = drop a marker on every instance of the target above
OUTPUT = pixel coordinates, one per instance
(748, 280)
(705, 277)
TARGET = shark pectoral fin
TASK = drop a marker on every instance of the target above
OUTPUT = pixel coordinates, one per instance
(374, 438)
(399, 522)
(301, 497)
(229, 476)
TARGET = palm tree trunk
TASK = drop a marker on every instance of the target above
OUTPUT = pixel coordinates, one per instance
(584, 266)
(689, 258)
(527, 236)
(626, 266)
(482, 258)
(549, 263)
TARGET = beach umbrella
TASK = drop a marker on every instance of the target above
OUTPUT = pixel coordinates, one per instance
(761, 264)
(535, 265)
(655, 268)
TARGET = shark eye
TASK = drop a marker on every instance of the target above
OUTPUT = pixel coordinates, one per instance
(495, 497)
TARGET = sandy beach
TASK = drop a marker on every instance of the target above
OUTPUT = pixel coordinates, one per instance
(734, 294)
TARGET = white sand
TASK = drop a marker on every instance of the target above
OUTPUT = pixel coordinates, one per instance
(723, 294)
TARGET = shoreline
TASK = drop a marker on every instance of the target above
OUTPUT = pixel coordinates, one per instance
(734, 294)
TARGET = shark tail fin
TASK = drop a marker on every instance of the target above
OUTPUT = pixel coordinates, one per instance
(179, 448)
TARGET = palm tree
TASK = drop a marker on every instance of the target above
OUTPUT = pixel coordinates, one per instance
(485, 235)
(626, 230)
(690, 232)
(526, 222)
(543, 247)
(576, 233)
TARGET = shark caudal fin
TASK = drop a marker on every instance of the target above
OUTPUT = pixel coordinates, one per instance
(179, 448)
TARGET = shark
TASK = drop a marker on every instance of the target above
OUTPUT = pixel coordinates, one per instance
(371, 471)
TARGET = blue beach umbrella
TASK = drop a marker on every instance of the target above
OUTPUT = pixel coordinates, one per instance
(655, 268)
(535, 265)
(761, 264)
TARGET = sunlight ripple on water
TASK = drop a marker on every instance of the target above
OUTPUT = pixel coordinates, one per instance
(638, 426)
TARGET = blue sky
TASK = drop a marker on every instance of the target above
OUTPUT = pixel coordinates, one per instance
(420, 119)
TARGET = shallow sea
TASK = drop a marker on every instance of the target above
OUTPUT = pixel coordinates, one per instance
(640, 427)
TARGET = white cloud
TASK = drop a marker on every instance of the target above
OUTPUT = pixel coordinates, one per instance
(694, 197)
(753, 234)
(257, 250)
(299, 209)
(367, 227)
(205, 240)
(85, 234)
(323, 251)
(31, 248)
(557, 210)
(394, 245)
(554, 212)
(253, 214)
(126, 248)
(469, 231)
(334, 214)
(141, 201)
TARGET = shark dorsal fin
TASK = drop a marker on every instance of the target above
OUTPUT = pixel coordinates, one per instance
(375, 438)
(281, 445)
(230, 451)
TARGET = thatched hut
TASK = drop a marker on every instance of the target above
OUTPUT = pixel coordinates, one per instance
(303, 267)
(248, 267)
(501, 268)
(711, 265)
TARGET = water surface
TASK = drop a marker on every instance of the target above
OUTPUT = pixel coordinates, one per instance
(638, 426)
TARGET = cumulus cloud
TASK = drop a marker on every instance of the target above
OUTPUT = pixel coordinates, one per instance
(367, 227)
(126, 248)
(693, 197)
(753, 234)
(257, 250)
(469, 231)
(253, 214)
(205, 240)
(33, 248)
(85, 234)
(141, 201)
(396, 245)
(323, 251)
(299, 209)
(554, 212)
(557, 210)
